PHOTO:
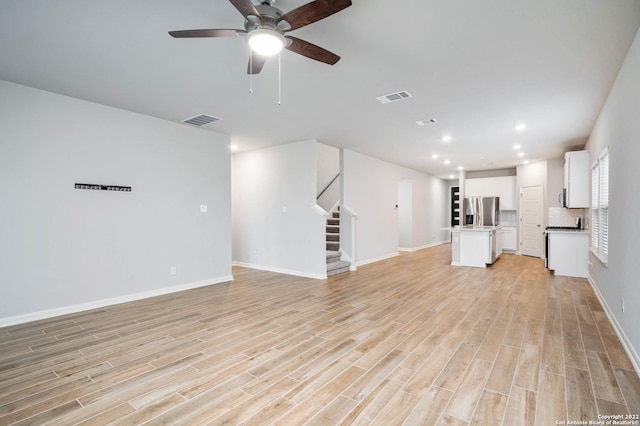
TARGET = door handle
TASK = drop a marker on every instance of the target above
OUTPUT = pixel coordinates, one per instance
(538, 226)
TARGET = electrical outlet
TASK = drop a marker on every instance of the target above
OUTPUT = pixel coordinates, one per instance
(172, 270)
(622, 305)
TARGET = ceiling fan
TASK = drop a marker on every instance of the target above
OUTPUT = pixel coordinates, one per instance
(265, 27)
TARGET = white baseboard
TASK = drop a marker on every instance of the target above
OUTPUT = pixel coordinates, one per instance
(626, 343)
(65, 310)
(412, 249)
(345, 256)
(378, 259)
(281, 270)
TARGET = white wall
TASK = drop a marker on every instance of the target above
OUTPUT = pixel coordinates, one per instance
(328, 166)
(405, 214)
(370, 188)
(267, 182)
(431, 210)
(63, 249)
(555, 181)
(618, 128)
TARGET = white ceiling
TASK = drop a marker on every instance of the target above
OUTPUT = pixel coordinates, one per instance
(478, 67)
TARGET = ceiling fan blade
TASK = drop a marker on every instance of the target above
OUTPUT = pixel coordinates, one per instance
(312, 51)
(245, 7)
(207, 33)
(256, 62)
(312, 12)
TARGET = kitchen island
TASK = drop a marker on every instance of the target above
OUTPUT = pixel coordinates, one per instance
(477, 246)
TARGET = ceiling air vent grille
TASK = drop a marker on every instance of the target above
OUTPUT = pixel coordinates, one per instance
(426, 122)
(393, 97)
(201, 120)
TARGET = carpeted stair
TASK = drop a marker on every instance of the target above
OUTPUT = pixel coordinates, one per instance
(334, 264)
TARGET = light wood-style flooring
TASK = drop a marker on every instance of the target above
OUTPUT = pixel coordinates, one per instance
(409, 340)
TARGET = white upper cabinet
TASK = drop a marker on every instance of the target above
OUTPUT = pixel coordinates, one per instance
(503, 187)
(576, 179)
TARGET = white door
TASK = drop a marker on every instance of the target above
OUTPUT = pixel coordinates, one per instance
(531, 221)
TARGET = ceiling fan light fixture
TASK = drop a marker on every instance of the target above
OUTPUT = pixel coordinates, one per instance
(265, 42)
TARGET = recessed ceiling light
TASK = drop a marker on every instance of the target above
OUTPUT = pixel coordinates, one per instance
(516, 146)
(521, 154)
(460, 168)
(525, 162)
(233, 148)
(446, 138)
(434, 156)
(520, 127)
(451, 176)
(447, 162)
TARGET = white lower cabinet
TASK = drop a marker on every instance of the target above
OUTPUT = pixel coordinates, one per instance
(569, 253)
(509, 238)
(475, 248)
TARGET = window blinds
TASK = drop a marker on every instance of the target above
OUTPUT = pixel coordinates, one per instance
(600, 204)
(604, 203)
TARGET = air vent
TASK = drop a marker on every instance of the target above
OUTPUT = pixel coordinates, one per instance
(426, 122)
(393, 97)
(201, 120)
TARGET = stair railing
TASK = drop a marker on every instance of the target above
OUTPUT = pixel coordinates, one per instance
(327, 187)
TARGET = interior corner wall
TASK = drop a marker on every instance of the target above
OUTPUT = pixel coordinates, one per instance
(275, 224)
(618, 128)
(64, 249)
(370, 189)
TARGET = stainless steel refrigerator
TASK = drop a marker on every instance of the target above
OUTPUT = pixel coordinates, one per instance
(481, 211)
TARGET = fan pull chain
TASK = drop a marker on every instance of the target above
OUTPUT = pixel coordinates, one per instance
(251, 71)
(279, 79)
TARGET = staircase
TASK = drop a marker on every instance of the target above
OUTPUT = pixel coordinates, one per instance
(334, 264)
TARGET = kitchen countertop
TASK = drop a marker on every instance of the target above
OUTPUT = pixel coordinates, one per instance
(472, 228)
(567, 231)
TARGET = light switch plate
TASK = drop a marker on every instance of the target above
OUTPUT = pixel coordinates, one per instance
(203, 208)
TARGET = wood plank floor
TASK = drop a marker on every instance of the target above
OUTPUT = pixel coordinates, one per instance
(409, 340)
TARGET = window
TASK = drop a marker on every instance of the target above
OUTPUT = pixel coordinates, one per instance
(600, 207)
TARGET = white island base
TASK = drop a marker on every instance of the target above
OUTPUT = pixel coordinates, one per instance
(472, 246)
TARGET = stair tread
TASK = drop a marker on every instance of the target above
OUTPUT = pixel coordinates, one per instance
(333, 253)
(337, 265)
